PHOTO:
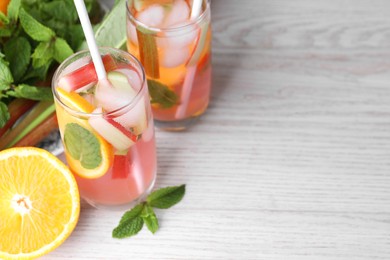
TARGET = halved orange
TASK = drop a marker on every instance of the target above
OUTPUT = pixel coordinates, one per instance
(65, 119)
(39, 202)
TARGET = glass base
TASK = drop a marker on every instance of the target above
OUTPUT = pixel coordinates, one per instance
(125, 206)
(179, 125)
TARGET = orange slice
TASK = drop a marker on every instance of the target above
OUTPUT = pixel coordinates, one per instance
(39, 203)
(104, 151)
(75, 101)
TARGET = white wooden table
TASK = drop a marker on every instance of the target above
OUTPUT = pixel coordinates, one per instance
(292, 158)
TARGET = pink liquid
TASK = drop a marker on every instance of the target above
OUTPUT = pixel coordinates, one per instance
(125, 184)
(198, 99)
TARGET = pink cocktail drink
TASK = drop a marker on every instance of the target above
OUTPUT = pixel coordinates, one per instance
(175, 48)
(106, 127)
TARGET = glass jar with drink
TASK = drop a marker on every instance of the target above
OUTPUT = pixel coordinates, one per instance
(172, 39)
(106, 127)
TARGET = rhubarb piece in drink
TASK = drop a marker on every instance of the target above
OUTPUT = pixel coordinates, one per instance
(83, 76)
(102, 123)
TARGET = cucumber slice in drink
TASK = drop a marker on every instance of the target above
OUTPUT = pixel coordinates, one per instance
(113, 132)
(120, 94)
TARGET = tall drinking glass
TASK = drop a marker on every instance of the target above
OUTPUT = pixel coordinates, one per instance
(174, 47)
(106, 127)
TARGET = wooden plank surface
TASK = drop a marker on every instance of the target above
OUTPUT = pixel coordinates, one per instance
(292, 158)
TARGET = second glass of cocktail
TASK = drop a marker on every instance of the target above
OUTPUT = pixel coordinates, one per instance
(172, 39)
(106, 127)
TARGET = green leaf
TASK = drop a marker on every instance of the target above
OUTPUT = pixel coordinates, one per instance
(4, 114)
(148, 52)
(31, 92)
(62, 50)
(82, 145)
(35, 29)
(13, 9)
(130, 214)
(57, 9)
(74, 35)
(18, 51)
(5, 32)
(161, 94)
(112, 30)
(5, 74)
(43, 54)
(166, 197)
(36, 73)
(3, 18)
(3, 87)
(150, 218)
(130, 224)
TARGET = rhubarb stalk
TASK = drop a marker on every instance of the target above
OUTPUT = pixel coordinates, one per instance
(35, 117)
(16, 108)
(40, 132)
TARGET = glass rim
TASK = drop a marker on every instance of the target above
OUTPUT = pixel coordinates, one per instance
(114, 113)
(168, 29)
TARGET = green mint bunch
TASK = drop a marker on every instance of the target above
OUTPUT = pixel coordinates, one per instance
(133, 220)
(35, 36)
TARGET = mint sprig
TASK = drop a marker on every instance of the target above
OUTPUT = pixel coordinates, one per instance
(133, 220)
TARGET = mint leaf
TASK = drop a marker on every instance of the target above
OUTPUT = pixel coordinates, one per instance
(13, 9)
(112, 30)
(3, 18)
(74, 36)
(5, 74)
(150, 218)
(133, 213)
(31, 92)
(82, 145)
(62, 50)
(43, 54)
(5, 32)
(161, 94)
(62, 10)
(130, 224)
(166, 197)
(36, 73)
(35, 29)
(18, 51)
(4, 114)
